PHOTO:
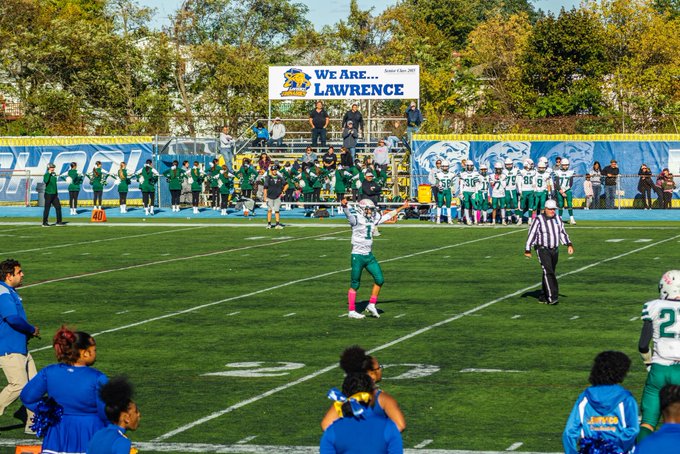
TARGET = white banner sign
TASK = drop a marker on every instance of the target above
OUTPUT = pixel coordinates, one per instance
(343, 82)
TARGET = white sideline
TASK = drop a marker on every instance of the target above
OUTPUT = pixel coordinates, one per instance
(99, 241)
(253, 449)
(176, 259)
(399, 340)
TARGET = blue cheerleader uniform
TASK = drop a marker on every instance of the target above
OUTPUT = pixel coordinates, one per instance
(76, 390)
(110, 440)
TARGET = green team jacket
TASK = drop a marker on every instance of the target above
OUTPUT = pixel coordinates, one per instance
(76, 180)
(309, 178)
(149, 180)
(225, 183)
(356, 171)
(214, 174)
(320, 176)
(175, 178)
(124, 181)
(98, 179)
(50, 181)
(197, 180)
(342, 180)
(290, 176)
(246, 176)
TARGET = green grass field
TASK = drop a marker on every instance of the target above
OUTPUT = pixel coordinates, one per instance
(174, 305)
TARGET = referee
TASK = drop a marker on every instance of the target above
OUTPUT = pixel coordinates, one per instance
(545, 235)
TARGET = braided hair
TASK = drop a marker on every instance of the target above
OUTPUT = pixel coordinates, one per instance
(355, 382)
(68, 344)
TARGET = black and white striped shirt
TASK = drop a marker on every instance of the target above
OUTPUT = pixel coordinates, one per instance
(547, 232)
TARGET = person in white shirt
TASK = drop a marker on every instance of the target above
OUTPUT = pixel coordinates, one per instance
(277, 133)
(381, 156)
(364, 221)
(227, 143)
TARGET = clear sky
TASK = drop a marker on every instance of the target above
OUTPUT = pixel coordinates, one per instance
(323, 12)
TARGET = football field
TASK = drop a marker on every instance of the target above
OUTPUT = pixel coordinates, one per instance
(231, 334)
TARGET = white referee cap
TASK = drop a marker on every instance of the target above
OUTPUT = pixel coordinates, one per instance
(551, 204)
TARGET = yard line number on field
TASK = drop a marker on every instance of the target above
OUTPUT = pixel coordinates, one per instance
(411, 335)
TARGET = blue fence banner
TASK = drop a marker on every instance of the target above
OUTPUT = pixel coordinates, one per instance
(630, 151)
(32, 154)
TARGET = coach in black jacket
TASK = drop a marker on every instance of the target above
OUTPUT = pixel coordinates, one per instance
(370, 189)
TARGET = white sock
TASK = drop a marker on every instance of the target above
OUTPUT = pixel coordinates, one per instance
(467, 215)
(439, 213)
(448, 214)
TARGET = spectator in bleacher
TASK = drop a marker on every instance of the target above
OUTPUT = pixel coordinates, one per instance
(346, 158)
(330, 160)
(667, 438)
(611, 180)
(413, 120)
(645, 186)
(605, 413)
(264, 162)
(359, 429)
(349, 137)
(354, 116)
(309, 158)
(318, 120)
(277, 133)
(370, 188)
(667, 185)
(123, 415)
(262, 135)
(227, 143)
(596, 178)
(381, 156)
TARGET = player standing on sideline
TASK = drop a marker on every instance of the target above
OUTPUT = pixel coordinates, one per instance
(444, 180)
(660, 324)
(483, 192)
(542, 187)
(564, 181)
(432, 179)
(511, 199)
(526, 189)
(498, 183)
(363, 224)
(545, 235)
(469, 182)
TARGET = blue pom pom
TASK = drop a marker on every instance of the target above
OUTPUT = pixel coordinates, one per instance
(598, 446)
(47, 414)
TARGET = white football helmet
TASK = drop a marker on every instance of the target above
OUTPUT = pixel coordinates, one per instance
(483, 169)
(469, 165)
(565, 163)
(543, 160)
(367, 206)
(669, 285)
(528, 164)
(445, 164)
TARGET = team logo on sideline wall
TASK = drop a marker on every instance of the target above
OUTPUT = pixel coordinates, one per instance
(297, 83)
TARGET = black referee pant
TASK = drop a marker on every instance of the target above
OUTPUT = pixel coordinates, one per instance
(547, 257)
(51, 200)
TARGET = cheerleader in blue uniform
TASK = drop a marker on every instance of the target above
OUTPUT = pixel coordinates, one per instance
(75, 411)
(123, 415)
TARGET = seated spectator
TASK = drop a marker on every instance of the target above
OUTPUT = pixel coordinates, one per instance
(667, 438)
(359, 430)
(262, 135)
(264, 162)
(381, 155)
(346, 158)
(309, 158)
(277, 133)
(605, 415)
(330, 160)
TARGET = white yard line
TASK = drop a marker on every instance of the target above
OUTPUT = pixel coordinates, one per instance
(176, 259)
(409, 336)
(250, 449)
(423, 443)
(515, 446)
(100, 240)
